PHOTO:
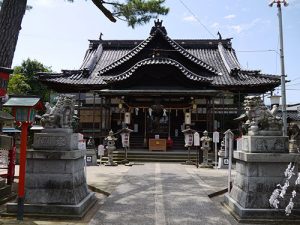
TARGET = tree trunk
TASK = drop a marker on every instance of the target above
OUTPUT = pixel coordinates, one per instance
(11, 15)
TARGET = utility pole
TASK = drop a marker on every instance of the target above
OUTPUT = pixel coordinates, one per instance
(283, 92)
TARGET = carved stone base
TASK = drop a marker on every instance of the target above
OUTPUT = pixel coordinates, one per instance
(255, 215)
(56, 139)
(264, 144)
(55, 184)
(257, 175)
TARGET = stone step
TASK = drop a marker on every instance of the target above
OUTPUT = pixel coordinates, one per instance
(5, 192)
(2, 182)
(157, 156)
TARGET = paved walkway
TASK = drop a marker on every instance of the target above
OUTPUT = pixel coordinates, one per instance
(151, 193)
(163, 194)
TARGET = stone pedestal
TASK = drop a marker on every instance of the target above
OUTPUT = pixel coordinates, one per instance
(55, 179)
(260, 166)
(221, 164)
(59, 139)
(205, 163)
(264, 144)
(91, 157)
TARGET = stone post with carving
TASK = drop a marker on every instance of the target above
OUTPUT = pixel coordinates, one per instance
(261, 159)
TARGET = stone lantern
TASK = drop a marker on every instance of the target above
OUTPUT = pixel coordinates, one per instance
(205, 147)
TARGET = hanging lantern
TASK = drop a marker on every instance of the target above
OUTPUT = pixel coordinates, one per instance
(127, 118)
(187, 118)
(136, 111)
(164, 112)
(275, 100)
(194, 105)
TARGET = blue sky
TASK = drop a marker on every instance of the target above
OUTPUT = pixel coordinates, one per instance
(56, 32)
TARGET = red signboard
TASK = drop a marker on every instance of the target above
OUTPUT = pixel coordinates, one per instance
(4, 77)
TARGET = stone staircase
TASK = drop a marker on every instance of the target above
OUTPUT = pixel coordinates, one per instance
(154, 156)
(5, 191)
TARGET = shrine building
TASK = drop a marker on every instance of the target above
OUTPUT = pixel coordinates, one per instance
(159, 85)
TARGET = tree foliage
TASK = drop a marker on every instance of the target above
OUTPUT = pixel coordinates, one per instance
(18, 85)
(139, 11)
(24, 78)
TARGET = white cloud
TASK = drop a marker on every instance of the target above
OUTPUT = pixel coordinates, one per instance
(231, 16)
(44, 3)
(215, 25)
(190, 19)
(239, 28)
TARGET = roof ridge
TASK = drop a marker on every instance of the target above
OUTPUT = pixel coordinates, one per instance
(129, 55)
(231, 70)
(191, 57)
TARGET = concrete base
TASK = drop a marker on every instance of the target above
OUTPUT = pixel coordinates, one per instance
(55, 210)
(257, 175)
(55, 184)
(252, 215)
(91, 157)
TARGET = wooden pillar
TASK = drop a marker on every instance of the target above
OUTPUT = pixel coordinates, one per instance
(109, 114)
(94, 105)
(78, 112)
(101, 120)
(213, 114)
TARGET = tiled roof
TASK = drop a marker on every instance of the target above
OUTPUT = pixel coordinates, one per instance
(212, 61)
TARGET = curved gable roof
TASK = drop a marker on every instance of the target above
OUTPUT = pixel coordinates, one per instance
(176, 47)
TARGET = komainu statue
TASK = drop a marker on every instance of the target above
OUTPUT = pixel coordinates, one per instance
(260, 120)
(60, 115)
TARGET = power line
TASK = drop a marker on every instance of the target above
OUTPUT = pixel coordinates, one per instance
(197, 18)
(296, 79)
(263, 50)
(292, 84)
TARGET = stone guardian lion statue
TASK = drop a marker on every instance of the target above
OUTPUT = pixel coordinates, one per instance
(60, 115)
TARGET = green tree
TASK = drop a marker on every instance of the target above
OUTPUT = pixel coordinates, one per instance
(18, 85)
(23, 81)
(135, 12)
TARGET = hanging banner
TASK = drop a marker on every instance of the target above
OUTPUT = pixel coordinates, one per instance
(216, 137)
(187, 120)
(188, 139)
(196, 139)
(125, 139)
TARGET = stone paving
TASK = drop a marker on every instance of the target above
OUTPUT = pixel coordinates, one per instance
(151, 193)
(162, 194)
